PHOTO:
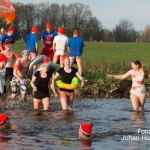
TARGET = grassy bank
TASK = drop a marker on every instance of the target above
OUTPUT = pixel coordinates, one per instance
(100, 58)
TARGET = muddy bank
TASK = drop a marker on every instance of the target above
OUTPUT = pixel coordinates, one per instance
(100, 89)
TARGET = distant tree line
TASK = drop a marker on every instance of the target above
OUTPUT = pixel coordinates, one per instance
(73, 16)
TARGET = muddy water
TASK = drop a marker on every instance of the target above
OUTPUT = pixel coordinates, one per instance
(57, 129)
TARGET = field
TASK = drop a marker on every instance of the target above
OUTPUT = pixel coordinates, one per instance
(108, 57)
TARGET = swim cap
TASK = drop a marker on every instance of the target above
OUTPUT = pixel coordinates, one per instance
(86, 128)
(3, 118)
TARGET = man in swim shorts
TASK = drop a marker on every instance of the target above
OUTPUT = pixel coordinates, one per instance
(75, 49)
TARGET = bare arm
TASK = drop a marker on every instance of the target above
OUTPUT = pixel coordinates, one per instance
(81, 78)
(1, 47)
(53, 88)
(68, 49)
(54, 46)
(53, 80)
(121, 77)
(36, 47)
(32, 83)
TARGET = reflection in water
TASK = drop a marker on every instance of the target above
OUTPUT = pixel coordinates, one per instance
(138, 119)
(86, 144)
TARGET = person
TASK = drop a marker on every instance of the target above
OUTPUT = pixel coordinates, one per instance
(2, 32)
(31, 42)
(3, 61)
(19, 80)
(75, 49)
(138, 90)
(11, 56)
(8, 37)
(67, 73)
(60, 44)
(5, 123)
(39, 83)
(47, 40)
(85, 130)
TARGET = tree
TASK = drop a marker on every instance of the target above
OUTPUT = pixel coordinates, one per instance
(124, 32)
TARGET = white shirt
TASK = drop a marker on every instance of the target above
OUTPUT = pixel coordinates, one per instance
(60, 41)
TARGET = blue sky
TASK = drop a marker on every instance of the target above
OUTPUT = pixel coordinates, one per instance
(110, 12)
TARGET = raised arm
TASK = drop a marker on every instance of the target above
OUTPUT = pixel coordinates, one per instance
(121, 77)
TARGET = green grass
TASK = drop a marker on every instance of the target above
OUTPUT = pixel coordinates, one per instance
(107, 57)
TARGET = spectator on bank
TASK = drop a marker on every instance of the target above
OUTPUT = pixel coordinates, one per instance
(75, 49)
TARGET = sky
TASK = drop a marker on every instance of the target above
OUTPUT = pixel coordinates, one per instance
(110, 12)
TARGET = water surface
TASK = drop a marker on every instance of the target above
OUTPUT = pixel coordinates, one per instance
(58, 129)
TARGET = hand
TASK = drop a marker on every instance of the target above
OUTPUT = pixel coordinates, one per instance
(109, 75)
(82, 83)
(34, 88)
(55, 95)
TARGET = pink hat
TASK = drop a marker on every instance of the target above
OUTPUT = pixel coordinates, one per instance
(45, 61)
(48, 26)
(3, 58)
(34, 29)
(3, 118)
(10, 29)
(61, 29)
(86, 128)
(75, 32)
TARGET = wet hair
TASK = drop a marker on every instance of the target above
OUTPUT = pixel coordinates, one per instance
(144, 68)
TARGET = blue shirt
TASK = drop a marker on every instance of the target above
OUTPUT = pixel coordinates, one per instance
(31, 40)
(76, 44)
(45, 34)
(48, 38)
(5, 38)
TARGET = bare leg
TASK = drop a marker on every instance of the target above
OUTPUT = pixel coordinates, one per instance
(61, 61)
(79, 64)
(134, 101)
(71, 99)
(46, 103)
(12, 96)
(72, 59)
(55, 58)
(23, 97)
(142, 101)
(36, 103)
(63, 100)
(3, 97)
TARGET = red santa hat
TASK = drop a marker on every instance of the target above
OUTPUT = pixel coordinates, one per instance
(86, 128)
(3, 118)
(61, 29)
(10, 29)
(48, 26)
(34, 29)
(46, 61)
(75, 32)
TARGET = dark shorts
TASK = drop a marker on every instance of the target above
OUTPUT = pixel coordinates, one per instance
(66, 90)
(40, 94)
(4, 89)
(9, 73)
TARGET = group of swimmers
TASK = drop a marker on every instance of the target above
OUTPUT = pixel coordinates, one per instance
(54, 46)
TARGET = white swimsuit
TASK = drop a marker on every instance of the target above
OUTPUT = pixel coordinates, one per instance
(138, 87)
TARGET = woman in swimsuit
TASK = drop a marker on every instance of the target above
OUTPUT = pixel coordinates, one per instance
(39, 83)
(138, 89)
(67, 73)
